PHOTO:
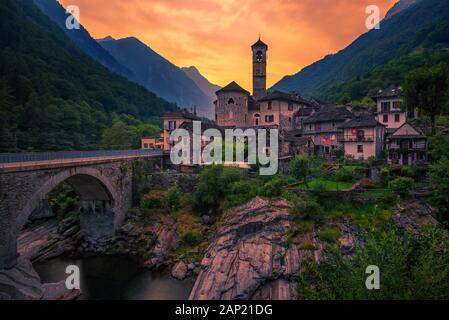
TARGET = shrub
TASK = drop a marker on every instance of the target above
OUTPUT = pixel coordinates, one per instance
(306, 207)
(190, 238)
(319, 190)
(402, 186)
(439, 182)
(173, 198)
(412, 267)
(215, 183)
(344, 174)
(242, 191)
(307, 245)
(300, 167)
(384, 176)
(330, 234)
(272, 188)
(153, 200)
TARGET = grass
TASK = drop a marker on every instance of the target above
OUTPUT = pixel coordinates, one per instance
(330, 234)
(330, 185)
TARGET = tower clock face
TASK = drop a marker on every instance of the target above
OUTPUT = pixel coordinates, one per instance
(259, 56)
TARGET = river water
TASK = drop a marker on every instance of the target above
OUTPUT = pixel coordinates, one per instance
(117, 278)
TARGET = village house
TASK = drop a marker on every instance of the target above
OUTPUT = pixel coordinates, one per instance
(152, 143)
(363, 137)
(389, 108)
(324, 128)
(407, 145)
(172, 121)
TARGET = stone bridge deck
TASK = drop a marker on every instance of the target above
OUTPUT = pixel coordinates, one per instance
(35, 161)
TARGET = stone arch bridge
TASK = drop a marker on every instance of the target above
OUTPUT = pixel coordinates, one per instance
(102, 179)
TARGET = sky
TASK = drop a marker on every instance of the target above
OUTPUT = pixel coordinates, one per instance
(216, 35)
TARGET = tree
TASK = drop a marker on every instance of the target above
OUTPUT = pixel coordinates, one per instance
(439, 146)
(300, 168)
(402, 186)
(439, 182)
(119, 136)
(427, 89)
(411, 267)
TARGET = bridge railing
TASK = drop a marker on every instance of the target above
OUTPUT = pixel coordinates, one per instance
(66, 155)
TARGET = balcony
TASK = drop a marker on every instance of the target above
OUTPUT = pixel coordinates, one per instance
(353, 138)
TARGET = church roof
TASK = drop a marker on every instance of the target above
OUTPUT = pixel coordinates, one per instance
(232, 87)
(260, 44)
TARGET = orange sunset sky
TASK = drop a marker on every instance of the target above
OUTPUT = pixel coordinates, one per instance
(216, 35)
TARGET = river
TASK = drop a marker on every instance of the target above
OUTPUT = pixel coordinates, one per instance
(116, 278)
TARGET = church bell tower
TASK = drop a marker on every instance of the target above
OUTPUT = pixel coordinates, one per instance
(259, 50)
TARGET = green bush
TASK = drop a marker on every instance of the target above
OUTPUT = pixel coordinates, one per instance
(411, 267)
(306, 207)
(319, 190)
(439, 182)
(344, 174)
(330, 234)
(173, 198)
(215, 183)
(241, 192)
(152, 200)
(190, 239)
(385, 176)
(272, 188)
(402, 186)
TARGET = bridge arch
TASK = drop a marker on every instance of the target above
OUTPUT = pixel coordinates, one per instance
(93, 188)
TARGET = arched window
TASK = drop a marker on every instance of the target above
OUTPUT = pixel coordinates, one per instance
(231, 101)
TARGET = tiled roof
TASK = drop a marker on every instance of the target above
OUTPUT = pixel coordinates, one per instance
(278, 95)
(391, 92)
(330, 113)
(204, 126)
(233, 87)
(181, 114)
(367, 119)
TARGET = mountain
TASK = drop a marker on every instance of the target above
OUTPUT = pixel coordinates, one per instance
(399, 7)
(158, 74)
(81, 37)
(416, 27)
(52, 95)
(208, 88)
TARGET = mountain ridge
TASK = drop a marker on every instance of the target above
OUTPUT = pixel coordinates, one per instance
(201, 81)
(158, 74)
(399, 35)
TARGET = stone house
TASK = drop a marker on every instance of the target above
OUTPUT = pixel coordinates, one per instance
(363, 137)
(172, 121)
(389, 108)
(407, 145)
(324, 128)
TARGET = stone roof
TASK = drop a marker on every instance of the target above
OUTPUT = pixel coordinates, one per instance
(330, 113)
(260, 44)
(181, 114)
(232, 87)
(391, 92)
(366, 119)
(279, 95)
(204, 126)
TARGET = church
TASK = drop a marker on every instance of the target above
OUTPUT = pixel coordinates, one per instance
(236, 107)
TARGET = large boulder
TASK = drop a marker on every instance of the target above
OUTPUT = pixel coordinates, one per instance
(179, 271)
(250, 256)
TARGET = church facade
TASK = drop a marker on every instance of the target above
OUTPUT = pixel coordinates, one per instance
(236, 107)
